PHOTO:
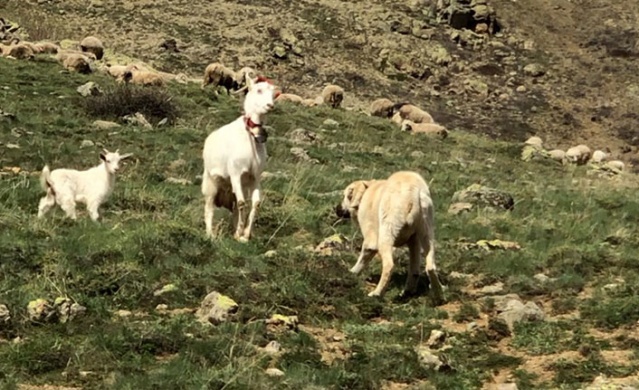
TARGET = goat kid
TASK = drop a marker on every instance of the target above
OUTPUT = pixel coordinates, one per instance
(66, 187)
(234, 158)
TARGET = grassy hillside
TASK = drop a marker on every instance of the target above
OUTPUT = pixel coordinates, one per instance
(577, 229)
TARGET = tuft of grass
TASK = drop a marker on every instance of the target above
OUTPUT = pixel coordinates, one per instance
(155, 104)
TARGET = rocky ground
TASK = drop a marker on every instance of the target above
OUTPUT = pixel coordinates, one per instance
(564, 69)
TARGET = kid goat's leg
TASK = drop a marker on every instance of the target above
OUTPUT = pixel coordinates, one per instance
(209, 190)
(255, 204)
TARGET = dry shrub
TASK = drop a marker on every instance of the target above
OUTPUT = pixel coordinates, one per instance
(35, 24)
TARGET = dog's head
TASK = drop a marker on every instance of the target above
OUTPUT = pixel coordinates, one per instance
(352, 198)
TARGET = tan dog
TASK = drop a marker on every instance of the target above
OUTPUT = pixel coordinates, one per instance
(391, 213)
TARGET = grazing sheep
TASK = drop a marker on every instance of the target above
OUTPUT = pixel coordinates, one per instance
(93, 45)
(534, 141)
(598, 156)
(579, 154)
(219, 75)
(143, 77)
(333, 95)
(19, 51)
(234, 158)
(289, 97)
(77, 63)
(63, 54)
(616, 165)
(309, 102)
(425, 128)
(66, 187)
(47, 47)
(413, 113)
(392, 213)
(382, 107)
(557, 155)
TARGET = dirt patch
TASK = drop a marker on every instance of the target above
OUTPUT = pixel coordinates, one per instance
(331, 342)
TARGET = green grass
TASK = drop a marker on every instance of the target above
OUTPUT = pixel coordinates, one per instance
(152, 234)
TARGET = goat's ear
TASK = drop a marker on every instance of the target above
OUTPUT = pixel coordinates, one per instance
(103, 156)
(127, 155)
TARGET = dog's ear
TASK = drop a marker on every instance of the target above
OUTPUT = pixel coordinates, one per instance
(349, 192)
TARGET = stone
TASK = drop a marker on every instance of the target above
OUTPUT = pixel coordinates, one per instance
(436, 339)
(459, 207)
(270, 254)
(331, 245)
(272, 348)
(40, 310)
(180, 181)
(302, 155)
(301, 136)
(516, 311)
(5, 315)
(167, 288)
(105, 125)
(534, 70)
(216, 308)
(274, 372)
(89, 89)
(479, 195)
(440, 55)
(331, 123)
(429, 360)
(86, 144)
(137, 119)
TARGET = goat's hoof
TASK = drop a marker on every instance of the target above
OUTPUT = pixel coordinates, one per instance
(374, 293)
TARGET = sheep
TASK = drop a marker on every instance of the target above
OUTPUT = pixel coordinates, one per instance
(241, 74)
(413, 113)
(234, 158)
(143, 77)
(598, 156)
(289, 97)
(579, 154)
(117, 71)
(397, 118)
(93, 45)
(333, 95)
(47, 47)
(534, 141)
(616, 165)
(66, 187)
(382, 107)
(77, 63)
(62, 55)
(425, 128)
(557, 155)
(219, 75)
(309, 102)
(19, 51)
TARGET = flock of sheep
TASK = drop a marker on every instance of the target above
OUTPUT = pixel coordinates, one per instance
(580, 154)
(234, 157)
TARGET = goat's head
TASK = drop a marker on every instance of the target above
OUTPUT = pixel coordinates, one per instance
(112, 159)
(260, 96)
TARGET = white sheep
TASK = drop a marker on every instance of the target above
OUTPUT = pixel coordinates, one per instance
(117, 71)
(47, 47)
(66, 187)
(579, 154)
(143, 77)
(19, 51)
(534, 141)
(382, 107)
(92, 45)
(333, 95)
(425, 128)
(616, 165)
(289, 97)
(77, 63)
(234, 158)
(413, 113)
(220, 76)
(598, 156)
(557, 155)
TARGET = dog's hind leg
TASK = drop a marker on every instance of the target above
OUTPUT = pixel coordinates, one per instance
(415, 250)
(386, 253)
(365, 257)
(427, 239)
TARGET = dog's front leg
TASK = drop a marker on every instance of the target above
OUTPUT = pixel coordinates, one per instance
(365, 257)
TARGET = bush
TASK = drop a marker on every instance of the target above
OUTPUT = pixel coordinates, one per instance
(154, 103)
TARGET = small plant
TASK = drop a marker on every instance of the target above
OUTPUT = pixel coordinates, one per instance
(467, 312)
(154, 103)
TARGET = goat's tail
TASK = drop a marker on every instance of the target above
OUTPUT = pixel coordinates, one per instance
(45, 179)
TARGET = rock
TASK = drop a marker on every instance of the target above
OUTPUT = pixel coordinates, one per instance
(436, 339)
(12, 146)
(302, 155)
(289, 322)
(89, 89)
(270, 254)
(417, 154)
(440, 55)
(459, 275)
(534, 70)
(507, 386)
(177, 164)
(272, 348)
(216, 308)
(86, 144)
(497, 244)
(7, 116)
(479, 195)
(170, 44)
(280, 52)
(40, 310)
(601, 382)
(476, 87)
(492, 289)
(541, 278)
(515, 311)
(5, 315)
(459, 207)
(330, 245)
(180, 181)
(274, 372)
(105, 125)
(67, 310)
(123, 313)
(330, 123)
(430, 360)
(137, 120)
(301, 136)
(167, 288)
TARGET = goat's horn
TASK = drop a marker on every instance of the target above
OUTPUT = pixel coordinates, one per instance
(239, 90)
(105, 151)
(117, 151)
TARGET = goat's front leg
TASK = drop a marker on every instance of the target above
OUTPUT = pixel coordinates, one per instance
(92, 208)
(236, 184)
(255, 204)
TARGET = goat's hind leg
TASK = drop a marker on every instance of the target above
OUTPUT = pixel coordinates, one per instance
(209, 190)
(255, 204)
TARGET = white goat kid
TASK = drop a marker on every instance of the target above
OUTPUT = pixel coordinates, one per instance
(234, 158)
(66, 187)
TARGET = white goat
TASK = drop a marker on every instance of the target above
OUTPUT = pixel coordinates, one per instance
(234, 157)
(66, 187)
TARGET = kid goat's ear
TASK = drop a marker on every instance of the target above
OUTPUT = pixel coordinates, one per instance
(102, 156)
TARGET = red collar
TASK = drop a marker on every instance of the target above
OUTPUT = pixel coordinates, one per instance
(250, 124)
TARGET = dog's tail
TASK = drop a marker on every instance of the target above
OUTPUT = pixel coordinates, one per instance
(45, 180)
